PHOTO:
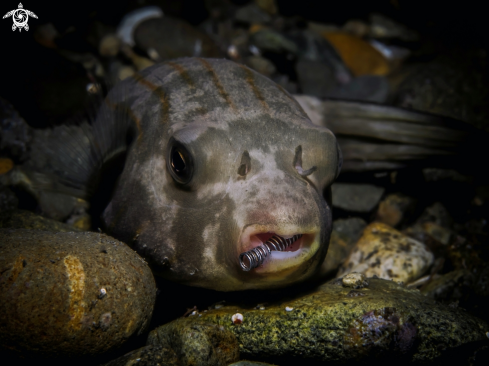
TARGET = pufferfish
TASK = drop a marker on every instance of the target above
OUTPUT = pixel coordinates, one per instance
(218, 160)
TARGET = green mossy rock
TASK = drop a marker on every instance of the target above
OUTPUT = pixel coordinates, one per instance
(339, 323)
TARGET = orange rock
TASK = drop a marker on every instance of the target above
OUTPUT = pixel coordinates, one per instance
(6, 165)
(360, 57)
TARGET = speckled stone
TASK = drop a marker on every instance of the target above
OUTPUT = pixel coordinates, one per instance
(385, 252)
(21, 219)
(338, 323)
(66, 294)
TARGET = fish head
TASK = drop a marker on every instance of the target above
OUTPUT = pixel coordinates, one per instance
(199, 191)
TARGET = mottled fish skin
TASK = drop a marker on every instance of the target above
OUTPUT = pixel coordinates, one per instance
(220, 112)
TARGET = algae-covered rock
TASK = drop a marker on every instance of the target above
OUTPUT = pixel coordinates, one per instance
(21, 219)
(193, 344)
(387, 253)
(338, 323)
(65, 294)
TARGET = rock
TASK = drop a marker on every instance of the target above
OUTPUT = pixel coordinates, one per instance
(356, 197)
(147, 356)
(269, 6)
(436, 213)
(316, 78)
(345, 234)
(15, 133)
(393, 209)
(172, 38)
(383, 27)
(367, 88)
(261, 65)
(190, 344)
(360, 57)
(354, 280)
(250, 363)
(313, 47)
(386, 253)
(449, 287)
(6, 165)
(337, 323)
(125, 30)
(356, 27)
(70, 294)
(273, 41)
(21, 219)
(434, 87)
(252, 14)
(436, 175)
(8, 200)
(437, 232)
(109, 45)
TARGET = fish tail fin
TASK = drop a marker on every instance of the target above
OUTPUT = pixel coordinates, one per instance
(379, 137)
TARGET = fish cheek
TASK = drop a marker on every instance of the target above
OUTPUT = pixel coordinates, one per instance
(206, 240)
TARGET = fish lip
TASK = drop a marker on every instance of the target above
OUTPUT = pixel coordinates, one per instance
(275, 261)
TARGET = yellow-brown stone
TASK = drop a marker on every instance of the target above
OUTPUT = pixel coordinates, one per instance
(71, 293)
(386, 253)
(360, 57)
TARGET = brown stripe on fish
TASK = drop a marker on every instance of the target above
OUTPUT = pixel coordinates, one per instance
(128, 111)
(281, 88)
(183, 73)
(250, 79)
(158, 92)
(217, 83)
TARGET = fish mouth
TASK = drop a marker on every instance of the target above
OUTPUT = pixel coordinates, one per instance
(277, 261)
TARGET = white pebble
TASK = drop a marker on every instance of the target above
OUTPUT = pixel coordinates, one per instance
(237, 318)
(102, 292)
(288, 308)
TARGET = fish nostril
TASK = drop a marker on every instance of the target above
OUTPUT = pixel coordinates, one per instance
(245, 165)
(298, 163)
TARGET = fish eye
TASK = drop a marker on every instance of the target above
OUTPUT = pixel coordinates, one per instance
(180, 163)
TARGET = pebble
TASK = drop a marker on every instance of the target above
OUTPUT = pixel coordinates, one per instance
(367, 88)
(172, 38)
(309, 72)
(271, 40)
(22, 219)
(360, 57)
(355, 280)
(356, 197)
(261, 65)
(8, 199)
(252, 14)
(386, 253)
(52, 299)
(344, 236)
(109, 45)
(15, 133)
(384, 27)
(394, 209)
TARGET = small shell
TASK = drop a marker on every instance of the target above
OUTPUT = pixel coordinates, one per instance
(102, 292)
(288, 308)
(237, 318)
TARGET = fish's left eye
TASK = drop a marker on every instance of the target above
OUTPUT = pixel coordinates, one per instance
(179, 162)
